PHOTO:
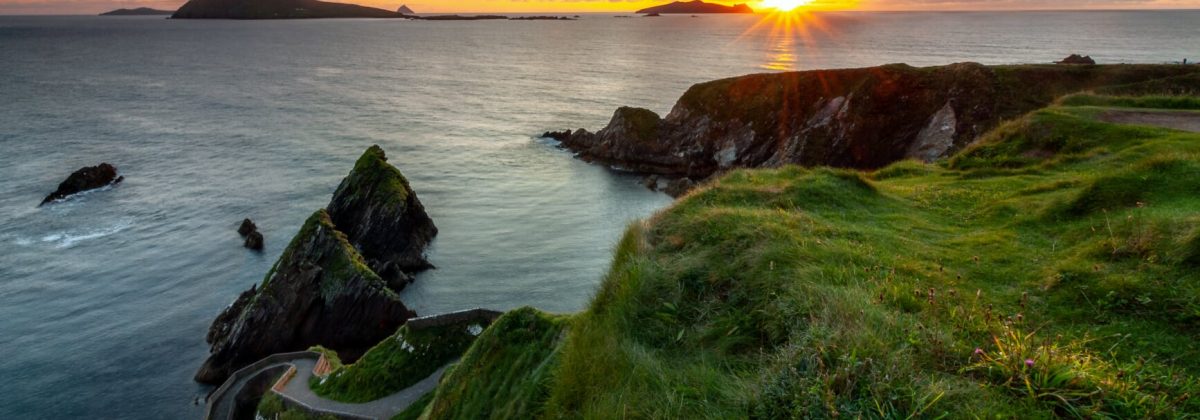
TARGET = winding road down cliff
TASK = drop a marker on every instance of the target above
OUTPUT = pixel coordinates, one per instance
(296, 391)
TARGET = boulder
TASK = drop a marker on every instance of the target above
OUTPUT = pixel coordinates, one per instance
(88, 178)
(1077, 59)
(247, 227)
(254, 240)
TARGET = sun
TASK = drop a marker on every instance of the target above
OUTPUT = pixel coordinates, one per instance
(785, 5)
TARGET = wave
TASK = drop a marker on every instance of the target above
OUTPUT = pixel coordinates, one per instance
(67, 239)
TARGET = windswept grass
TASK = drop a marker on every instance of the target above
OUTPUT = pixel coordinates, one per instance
(1049, 270)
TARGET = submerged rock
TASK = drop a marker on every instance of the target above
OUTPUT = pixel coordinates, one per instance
(323, 290)
(87, 178)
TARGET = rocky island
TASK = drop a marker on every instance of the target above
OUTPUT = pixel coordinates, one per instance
(140, 11)
(852, 118)
(276, 9)
(695, 7)
(336, 283)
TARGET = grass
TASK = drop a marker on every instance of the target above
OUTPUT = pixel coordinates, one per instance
(272, 407)
(1050, 270)
(399, 361)
(506, 373)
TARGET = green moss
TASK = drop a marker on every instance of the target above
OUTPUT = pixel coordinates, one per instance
(340, 261)
(505, 374)
(642, 122)
(405, 358)
(373, 180)
(273, 407)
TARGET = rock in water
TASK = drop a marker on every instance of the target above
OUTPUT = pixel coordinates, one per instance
(323, 289)
(88, 178)
(382, 217)
(1078, 59)
(254, 240)
(320, 292)
(247, 227)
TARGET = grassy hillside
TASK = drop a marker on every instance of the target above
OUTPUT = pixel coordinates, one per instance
(1052, 269)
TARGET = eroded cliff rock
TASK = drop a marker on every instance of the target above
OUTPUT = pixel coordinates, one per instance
(323, 290)
(858, 118)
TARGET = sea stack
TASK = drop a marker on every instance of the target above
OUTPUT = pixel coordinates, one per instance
(323, 290)
(87, 178)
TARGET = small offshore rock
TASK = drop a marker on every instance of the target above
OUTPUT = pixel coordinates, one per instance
(254, 240)
(1078, 60)
(87, 178)
(557, 135)
(247, 227)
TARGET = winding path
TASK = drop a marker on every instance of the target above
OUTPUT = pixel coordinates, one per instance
(297, 392)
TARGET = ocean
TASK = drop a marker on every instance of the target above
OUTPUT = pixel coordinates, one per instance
(105, 298)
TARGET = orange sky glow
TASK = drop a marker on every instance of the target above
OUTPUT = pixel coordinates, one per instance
(620, 6)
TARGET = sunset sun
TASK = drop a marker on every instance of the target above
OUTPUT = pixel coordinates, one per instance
(785, 5)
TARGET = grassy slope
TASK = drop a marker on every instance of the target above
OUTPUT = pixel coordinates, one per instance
(506, 373)
(399, 361)
(1049, 270)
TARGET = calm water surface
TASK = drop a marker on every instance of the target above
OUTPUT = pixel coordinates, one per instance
(105, 298)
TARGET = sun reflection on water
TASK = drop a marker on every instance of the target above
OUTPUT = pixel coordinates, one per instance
(786, 32)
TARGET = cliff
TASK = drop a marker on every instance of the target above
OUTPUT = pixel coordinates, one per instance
(323, 291)
(853, 118)
(696, 7)
(1048, 270)
(276, 9)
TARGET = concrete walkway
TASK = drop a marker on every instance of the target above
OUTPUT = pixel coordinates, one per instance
(384, 408)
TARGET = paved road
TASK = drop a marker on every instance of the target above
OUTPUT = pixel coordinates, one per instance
(383, 408)
(1179, 120)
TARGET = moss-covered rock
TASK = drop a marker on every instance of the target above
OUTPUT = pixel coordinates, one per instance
(327, 289)
(320, 292)
(382, 217)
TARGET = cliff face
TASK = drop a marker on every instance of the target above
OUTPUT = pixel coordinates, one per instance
(381, 216)
(323, 290)
(276, 9)
(858, 118)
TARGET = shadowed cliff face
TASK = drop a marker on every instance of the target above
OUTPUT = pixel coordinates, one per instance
(856, 118)
(325, 289)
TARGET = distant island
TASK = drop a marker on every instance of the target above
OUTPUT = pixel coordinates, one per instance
(405, 10)
(696, 6)
(141, 11)
(276, 9)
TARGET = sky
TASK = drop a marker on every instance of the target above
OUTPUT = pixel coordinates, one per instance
(10, 7)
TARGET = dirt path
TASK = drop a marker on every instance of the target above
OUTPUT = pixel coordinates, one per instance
(1179, 120)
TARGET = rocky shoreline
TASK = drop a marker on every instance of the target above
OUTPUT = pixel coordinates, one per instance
(850, 118)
